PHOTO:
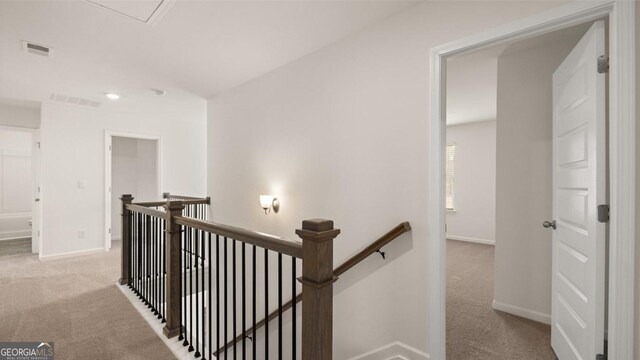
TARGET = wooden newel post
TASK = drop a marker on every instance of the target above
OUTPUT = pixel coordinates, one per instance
(317, 288)
(173, 235)
(125, 273)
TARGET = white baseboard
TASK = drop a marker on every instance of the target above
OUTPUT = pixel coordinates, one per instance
(16, 237)
(525, 313)
(470, 239)
(394, 351)
(71, 254)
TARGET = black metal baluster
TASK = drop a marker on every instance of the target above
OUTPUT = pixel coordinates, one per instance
(294, 295)
(132, 256)
(244, 303)
(163, 270)
(148, 262)
(217, 295)
(140, 255)
(190, 264)
(143, 265)
(253, 305)
(195, 251)
(266, 304)
(130, 245)
(206, 247)
(154, 241)
(226, 299)
(135, 259)
(156, 283)
(233, 274)
(202, 291)
(210, 309)
(183, 280)
(132, 283)
(279, 306)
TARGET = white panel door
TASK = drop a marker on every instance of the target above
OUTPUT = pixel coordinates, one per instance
(579, 185)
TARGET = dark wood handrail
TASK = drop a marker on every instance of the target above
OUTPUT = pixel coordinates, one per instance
(146, 210)
(351, 262)
(266, 241)
(182, 197)
(374, 247)
(184, 202)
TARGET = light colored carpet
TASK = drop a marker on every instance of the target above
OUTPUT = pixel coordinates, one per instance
(474, 329)
(74, 303)
(15, 246)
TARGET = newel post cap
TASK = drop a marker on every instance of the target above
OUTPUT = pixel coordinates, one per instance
(174, 206)
(126, 198)
(317, 229)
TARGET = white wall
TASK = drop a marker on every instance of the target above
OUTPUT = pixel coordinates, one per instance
(474, 218)
(15, 183)
(19, 116)
(73, 149)
(524, 178)
(133, 171)
(637, 277)
(342, 134)
(147, 171)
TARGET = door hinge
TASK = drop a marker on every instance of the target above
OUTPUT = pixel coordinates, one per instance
(109, 230)
(109, 147)
(38, 142)
(603, 64)
(603, 213)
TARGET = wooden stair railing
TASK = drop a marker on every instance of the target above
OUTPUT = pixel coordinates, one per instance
(163, 251)
(344, 267)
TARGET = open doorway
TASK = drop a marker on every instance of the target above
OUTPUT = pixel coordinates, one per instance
(500, 188)
(133, 167)
(18, 191)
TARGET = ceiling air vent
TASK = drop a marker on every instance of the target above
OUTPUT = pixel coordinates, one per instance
(75, 100)
(36, 49)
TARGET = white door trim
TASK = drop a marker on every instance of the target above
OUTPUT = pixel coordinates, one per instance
(108, 136)
(622, 140)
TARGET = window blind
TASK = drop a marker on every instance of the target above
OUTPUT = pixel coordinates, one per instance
(450, 177)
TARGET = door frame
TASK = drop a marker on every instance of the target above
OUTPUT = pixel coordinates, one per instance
(622, 142)
(108, 139)
(36, 210)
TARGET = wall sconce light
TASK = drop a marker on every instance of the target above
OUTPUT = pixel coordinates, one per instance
(269, 202)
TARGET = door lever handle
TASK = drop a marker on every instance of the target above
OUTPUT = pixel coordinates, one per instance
(549, 224)
(37, 199)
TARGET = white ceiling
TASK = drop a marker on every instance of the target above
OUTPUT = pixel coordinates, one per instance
(198, 48)
(472, 78)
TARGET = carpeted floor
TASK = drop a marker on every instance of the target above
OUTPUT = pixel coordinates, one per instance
(74, 303)
(15, 246)
(476, 331)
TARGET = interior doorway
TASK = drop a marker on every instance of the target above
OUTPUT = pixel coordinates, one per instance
(132, 167)
(500, 283)
(19, 191)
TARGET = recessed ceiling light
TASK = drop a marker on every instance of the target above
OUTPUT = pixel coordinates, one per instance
(113, 96)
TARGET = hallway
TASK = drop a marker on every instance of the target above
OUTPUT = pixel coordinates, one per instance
(75, 303)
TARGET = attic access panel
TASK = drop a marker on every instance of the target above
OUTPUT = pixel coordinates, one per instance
(147, 11)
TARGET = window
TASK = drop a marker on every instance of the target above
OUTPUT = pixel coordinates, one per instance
(450, 181)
